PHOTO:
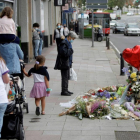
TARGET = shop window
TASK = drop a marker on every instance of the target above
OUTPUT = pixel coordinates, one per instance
(1, 6)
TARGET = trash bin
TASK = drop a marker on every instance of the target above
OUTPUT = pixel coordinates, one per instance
(88, 32)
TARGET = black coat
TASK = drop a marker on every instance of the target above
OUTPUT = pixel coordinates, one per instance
(64, 53)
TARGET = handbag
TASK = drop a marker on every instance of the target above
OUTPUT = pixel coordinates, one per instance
(73, 75)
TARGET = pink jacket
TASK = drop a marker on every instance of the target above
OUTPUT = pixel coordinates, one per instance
(7, 26)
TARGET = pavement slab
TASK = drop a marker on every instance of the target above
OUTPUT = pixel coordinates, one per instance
(95, 67)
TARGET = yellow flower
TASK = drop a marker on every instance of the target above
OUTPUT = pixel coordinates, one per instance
(111, 98)
(133, 75)
(129, 71)
(135, 79)
(115, 98)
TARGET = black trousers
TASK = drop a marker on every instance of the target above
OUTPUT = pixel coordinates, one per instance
(58, 41)
(65, 75)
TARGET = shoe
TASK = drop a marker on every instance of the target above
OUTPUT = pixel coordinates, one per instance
(37, 111)
(65, 94)
(70, 92)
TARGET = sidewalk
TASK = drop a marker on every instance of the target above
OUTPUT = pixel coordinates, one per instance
(95, 67)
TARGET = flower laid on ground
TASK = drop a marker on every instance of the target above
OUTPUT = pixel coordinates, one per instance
(133, 75)
(126, 71)
(135, 88)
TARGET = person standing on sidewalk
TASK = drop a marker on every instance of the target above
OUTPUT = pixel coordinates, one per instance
(36, 27)
(41, 83)
(66, 30)
(4, 79)
(58, 34)
(36, 41)
(64, 61)
(72, 25)
(76, 27)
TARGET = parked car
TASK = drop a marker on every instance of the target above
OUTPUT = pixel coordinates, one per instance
(119, 28)
(132, 29)
(130, 14)
(112, 23)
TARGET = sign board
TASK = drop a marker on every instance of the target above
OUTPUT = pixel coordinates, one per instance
(97, 6)
(69, 11)
(69, 1)
(9, 0)
(97, 1)
(59, 2)
(66, 7)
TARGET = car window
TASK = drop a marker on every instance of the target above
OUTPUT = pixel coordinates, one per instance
(121, 25)
(133, 26)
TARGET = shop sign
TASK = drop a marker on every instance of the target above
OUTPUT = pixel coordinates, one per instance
(66, 7)
(69, 1)
(59, 2)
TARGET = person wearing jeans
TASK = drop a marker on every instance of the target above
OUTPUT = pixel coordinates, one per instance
(40, 46)
(36, 41)
(36, 27)
(4, 79)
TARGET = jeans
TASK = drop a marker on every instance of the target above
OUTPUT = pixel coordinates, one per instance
(2, 111)
(36, 47)
(40, 47)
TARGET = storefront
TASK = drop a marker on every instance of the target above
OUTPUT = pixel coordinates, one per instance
(4, 3)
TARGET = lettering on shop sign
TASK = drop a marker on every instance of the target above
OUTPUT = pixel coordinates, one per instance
(59, 2)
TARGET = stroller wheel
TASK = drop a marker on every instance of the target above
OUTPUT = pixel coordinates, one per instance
(21, 134)
(27, 109)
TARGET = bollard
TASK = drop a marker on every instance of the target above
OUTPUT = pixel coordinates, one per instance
(121, 65)
(108, 43)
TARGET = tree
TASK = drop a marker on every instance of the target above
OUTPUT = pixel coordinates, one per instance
(119, 3)
(137, 3)
(112, 3)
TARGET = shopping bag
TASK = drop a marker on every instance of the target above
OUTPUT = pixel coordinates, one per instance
(73, 75)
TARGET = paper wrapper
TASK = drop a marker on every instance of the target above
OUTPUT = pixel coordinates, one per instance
(133, 116)
(68, 111)
(88, 107)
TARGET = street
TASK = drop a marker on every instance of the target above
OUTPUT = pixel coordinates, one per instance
(120, 41)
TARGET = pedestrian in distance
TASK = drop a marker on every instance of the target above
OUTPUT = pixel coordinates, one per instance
(36, 27)
(41, 83)
(64, 61)
(8, 27)
(4, 79)
(66, 31)
(36, 41)
(58, 34)
(72, 25)
(76, 27)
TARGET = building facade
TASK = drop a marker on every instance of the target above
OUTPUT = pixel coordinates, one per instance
(27, 12)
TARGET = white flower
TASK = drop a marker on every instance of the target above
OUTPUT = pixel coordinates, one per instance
(91, 116)
(137, 83)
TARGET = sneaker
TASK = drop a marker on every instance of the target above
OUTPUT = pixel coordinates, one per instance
(37, 111)
(70, 92)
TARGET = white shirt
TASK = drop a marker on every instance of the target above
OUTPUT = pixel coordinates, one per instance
(3, 94)
(7, 26)
(66, 31)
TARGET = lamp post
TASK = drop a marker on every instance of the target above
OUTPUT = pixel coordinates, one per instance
(129, 7)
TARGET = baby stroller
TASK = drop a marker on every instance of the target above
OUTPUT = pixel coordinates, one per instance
(21, 88)
(13, 118)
